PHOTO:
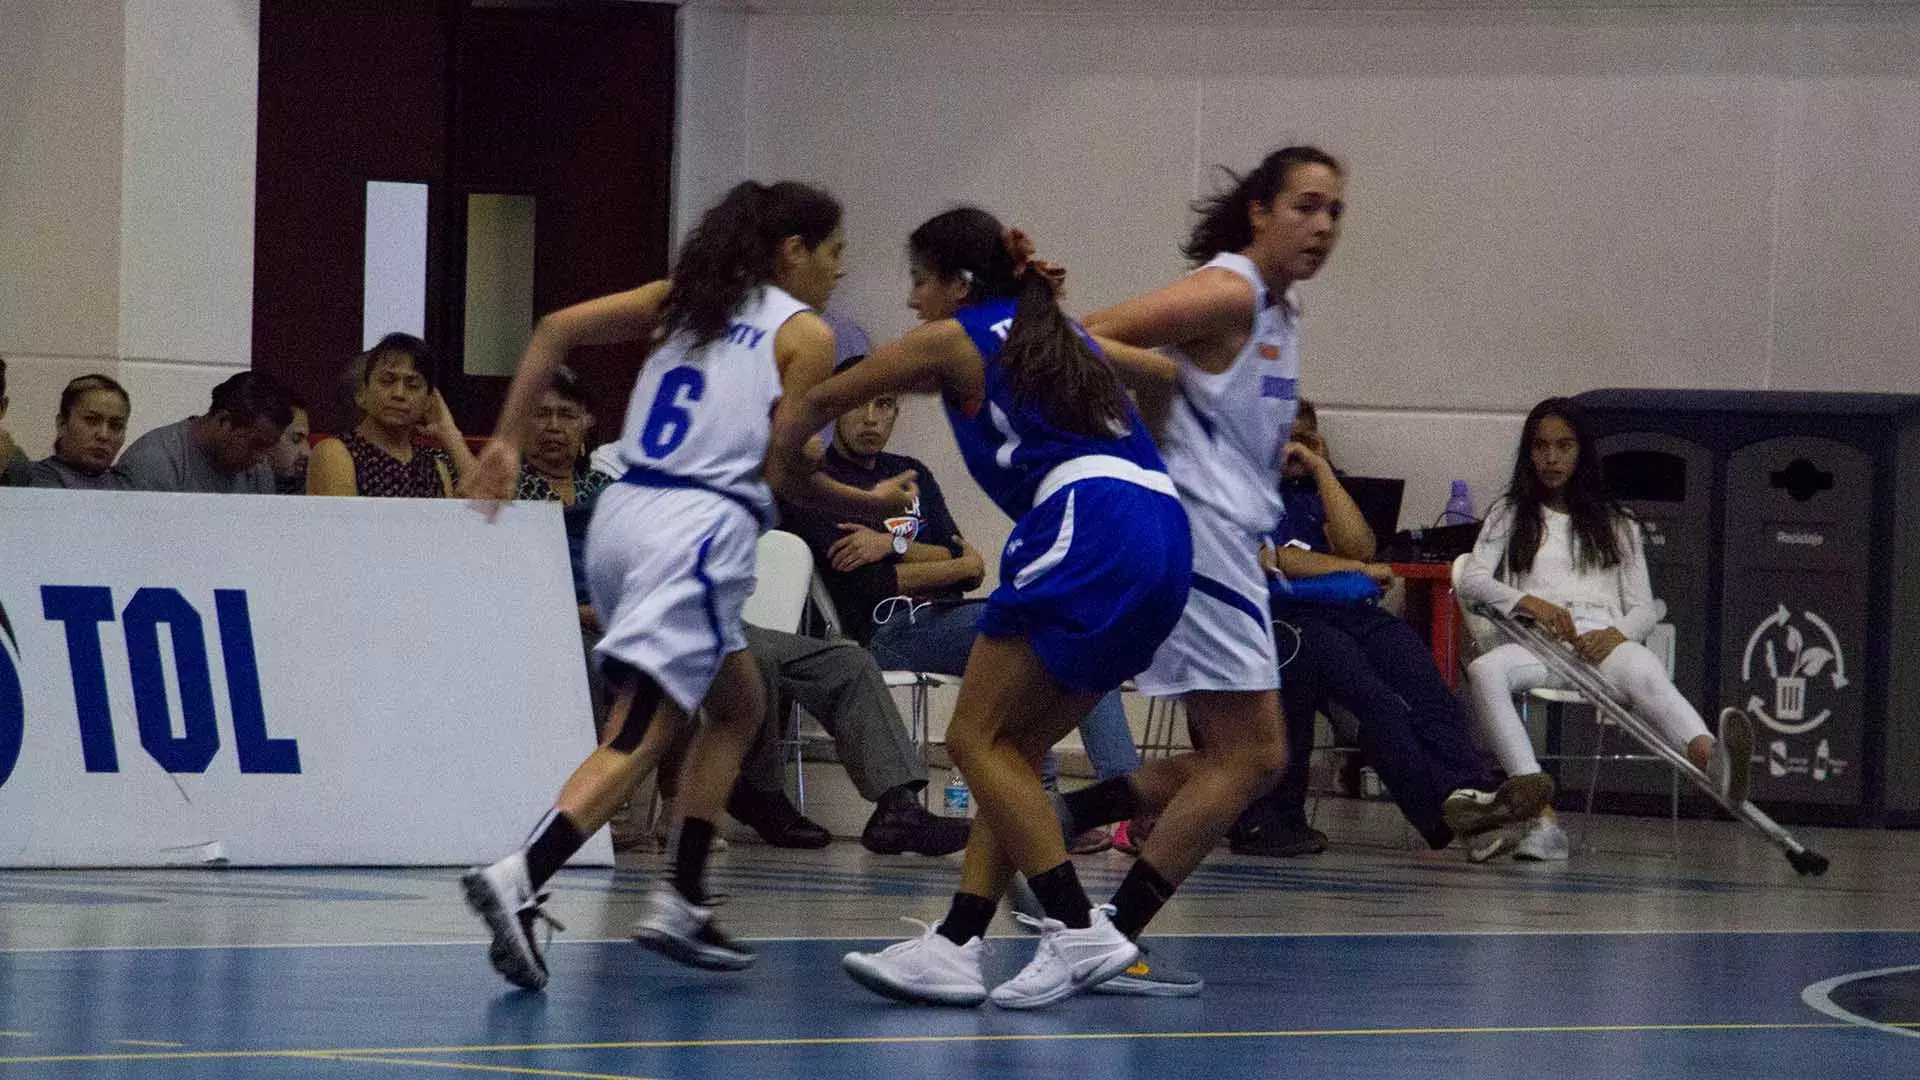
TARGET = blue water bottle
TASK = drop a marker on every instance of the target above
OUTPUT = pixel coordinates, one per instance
(1459, 509)
(959, 801)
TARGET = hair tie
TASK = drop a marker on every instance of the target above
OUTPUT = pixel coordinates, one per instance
(1021, 250)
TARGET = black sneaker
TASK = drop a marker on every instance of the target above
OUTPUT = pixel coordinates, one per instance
(1278, 841)
(775, 818)
(900, 824)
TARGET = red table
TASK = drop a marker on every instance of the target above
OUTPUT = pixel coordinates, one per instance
(1430, 600)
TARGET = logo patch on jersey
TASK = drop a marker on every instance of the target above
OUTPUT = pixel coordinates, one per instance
(1269, 352)
(908, 527)
(1272, 386)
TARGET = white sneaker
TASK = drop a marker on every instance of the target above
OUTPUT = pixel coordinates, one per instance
(502, 894)
(1545, 841)
(1730, 761)
(1067, 962)
(927, 970)
(683, 930)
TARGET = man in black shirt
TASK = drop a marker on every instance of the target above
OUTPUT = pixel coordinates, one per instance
(920, 554)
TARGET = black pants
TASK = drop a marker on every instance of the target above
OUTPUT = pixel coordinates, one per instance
(1412, 726)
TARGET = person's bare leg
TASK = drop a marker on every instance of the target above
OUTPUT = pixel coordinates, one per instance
(1008, 705)
(732, 712)
(602, 783)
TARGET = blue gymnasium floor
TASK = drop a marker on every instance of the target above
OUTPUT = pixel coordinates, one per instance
(1407, 966)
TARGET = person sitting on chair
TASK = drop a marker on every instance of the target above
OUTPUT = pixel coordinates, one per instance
(1558, 550)
(1412, 727)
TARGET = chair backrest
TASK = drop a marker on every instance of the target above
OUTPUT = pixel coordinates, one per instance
(823, 607)
(783, 577)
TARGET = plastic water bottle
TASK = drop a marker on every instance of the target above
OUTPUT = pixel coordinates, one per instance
(959, 801)
(1459, 506)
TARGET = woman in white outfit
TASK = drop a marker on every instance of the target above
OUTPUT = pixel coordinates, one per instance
(1559, 551)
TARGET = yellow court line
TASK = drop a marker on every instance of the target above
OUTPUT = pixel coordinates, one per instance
(148, 1042)
(16, 1034)
(897, 1040)
(513, 1070)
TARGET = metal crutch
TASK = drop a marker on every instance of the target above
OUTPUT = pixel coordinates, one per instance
(1585, 678)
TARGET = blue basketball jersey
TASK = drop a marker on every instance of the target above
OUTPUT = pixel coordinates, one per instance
(1010, 446)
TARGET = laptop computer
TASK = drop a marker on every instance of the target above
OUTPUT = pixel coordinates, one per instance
(1379, 501)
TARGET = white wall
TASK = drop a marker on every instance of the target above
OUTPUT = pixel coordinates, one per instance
(710, 147)
(1544, 197)
(126, 201)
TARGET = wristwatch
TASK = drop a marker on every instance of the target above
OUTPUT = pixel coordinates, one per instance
(900, 543)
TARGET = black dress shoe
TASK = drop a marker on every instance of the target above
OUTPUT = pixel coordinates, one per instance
(899, 823)
(776, 819)
(1278, 840)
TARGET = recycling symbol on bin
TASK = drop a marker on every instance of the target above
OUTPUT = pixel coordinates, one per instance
(1792, 663)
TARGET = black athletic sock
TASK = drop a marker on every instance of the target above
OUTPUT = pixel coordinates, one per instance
(553, 842)
(690, 850)
(1100, 804)
(967, 919)
(1141, 895)
(1061, 896)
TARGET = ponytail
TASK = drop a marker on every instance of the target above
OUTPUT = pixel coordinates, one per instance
(1051, 364)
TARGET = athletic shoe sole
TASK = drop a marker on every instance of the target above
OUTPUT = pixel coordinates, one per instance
(864, 972)
(512, 965)
(691, 953)
(1492, 849)
(1132, 986)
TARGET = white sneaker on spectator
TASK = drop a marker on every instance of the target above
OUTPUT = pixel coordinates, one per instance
(1068, 961)
(502, 894)
(927, 970)
(1730, 761)
(1545, 841)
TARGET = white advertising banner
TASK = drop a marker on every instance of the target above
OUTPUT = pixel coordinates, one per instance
(281, 680)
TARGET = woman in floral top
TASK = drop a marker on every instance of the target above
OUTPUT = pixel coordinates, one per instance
(380, 457)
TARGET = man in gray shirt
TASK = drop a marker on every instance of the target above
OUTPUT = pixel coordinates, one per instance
(13, 463)
(223, 452)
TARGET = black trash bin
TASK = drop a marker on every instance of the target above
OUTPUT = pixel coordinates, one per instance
(1784, 535)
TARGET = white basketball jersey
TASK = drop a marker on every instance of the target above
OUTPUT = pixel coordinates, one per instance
(1227, 435)
(700, 417)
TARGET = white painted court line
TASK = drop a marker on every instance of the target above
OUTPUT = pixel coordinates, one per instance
(1819, 998)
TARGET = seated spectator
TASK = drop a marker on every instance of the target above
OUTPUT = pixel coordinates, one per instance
(835, 681)
(381, 456)
(13, 461)
(838, 684)
(223, 452)
(554, 466)
(1350, 651)
(289, 455)
(1558, 550)
(900, 584)
(87, 436)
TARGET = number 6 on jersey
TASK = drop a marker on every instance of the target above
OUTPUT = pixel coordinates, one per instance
(669, 421)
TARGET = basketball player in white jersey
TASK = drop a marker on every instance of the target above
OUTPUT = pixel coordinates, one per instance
(1231, 328)
(670, 555)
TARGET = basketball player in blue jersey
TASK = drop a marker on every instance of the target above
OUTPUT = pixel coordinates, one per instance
(670, 554)
(1093, 576)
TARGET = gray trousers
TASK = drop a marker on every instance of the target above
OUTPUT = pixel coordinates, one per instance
(838, 683)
